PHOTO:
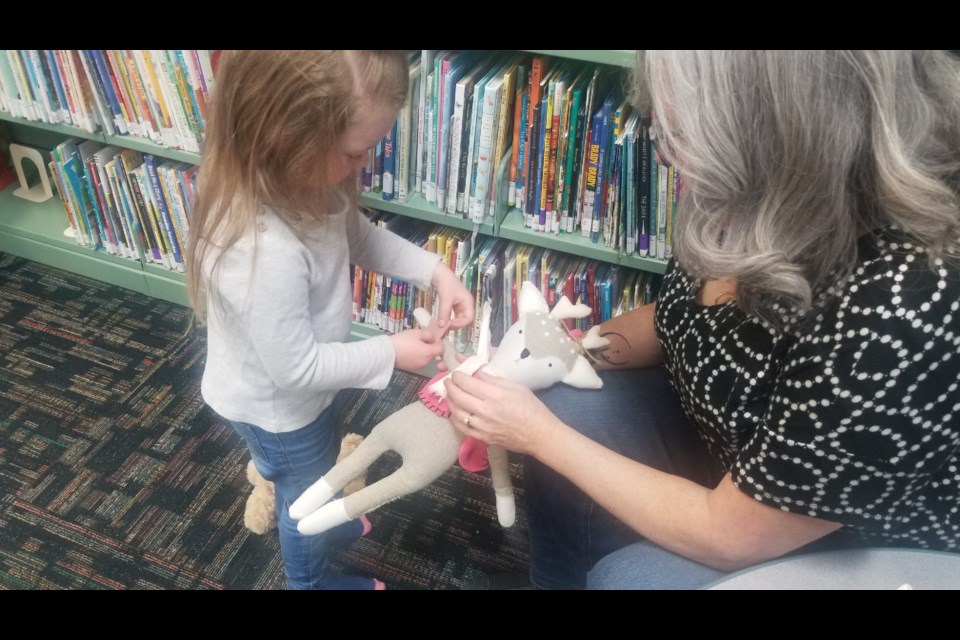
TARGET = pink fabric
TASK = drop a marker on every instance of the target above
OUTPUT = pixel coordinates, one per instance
(434, 402)
(473, 453)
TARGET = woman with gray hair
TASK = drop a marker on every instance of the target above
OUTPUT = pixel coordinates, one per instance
(797, 383)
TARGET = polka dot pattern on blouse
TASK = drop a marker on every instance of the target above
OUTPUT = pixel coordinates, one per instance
(849, 413)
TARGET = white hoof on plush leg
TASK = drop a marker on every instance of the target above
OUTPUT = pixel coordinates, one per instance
(506, 510)
(329, 516)
(310, 500)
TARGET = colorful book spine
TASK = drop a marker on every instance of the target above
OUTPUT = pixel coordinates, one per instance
(52, 68)
(538, 67)
(654, 202)
(108, 87)
(521, 87)
(57, 177)
(154, 95)
(504, 122)
(593, 169)
(423, 117)
(531, 192)
(602, 166)
(466, 156)
(165, 215)
(559, 105)
(389, 164)
(485, 142)
(522, 147)
(403, 153)
(121, 83)
(543, 159)
(643, 149)
(34, 73)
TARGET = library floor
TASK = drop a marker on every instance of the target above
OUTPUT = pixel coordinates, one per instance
(114, 474)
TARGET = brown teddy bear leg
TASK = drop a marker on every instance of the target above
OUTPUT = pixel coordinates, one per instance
(260, 515)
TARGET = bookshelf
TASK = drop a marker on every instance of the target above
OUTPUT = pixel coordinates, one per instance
(35, 231)
(508, 223)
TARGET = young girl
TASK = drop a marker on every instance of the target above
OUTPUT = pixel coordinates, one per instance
(275, 231)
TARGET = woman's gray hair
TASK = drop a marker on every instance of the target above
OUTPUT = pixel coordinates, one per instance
(788, 156)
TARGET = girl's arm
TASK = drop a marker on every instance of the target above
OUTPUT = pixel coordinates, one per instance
(379, 250)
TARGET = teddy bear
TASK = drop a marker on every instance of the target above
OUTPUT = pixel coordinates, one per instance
(537, 351)
(260, 513)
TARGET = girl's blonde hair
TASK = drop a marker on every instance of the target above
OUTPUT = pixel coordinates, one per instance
(275, 126)
(788, 156)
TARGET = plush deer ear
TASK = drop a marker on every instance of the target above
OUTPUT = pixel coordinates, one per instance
(583, 376)
(530, 300)
(564, 309)
(593, 339)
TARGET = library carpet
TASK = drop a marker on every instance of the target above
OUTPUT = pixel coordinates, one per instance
(115, 475)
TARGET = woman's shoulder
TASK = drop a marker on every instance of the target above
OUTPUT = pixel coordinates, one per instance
(895, 286)
(894, 267)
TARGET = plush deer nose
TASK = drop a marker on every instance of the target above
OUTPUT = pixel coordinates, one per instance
(525, 354)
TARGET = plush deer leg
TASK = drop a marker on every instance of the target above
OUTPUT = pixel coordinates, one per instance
(352, 466)
(428, 444)
(502, 485)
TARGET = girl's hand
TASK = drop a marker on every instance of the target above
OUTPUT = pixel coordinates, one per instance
(415, 348)
(453, 296)
(501, 412)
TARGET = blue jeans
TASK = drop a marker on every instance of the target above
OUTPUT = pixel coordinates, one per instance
(638, 415)
(293, 461)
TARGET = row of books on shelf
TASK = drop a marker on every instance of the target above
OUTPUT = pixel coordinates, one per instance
(123, 202)
(493, 269)
(580, 159)
(454, 127)
(160, 95)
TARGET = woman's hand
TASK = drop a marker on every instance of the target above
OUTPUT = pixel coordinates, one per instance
(453, 297)
(501, 412)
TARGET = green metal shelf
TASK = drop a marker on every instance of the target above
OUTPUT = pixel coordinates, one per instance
(512, 227)
(61, 129)
(130, 142)
(146, 146)
(417, 207)
(644, 264)
(618, 57)
(35, 231)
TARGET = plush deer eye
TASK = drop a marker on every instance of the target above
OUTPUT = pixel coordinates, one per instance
(549, 364)
(520, 331)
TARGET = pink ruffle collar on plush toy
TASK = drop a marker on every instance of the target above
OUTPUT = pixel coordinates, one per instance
(473, 453)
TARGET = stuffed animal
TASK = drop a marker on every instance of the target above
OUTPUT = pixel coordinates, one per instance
(260, 514)
(536, 351)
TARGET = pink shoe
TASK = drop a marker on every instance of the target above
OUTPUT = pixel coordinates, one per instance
(379, 585)
(367, 527)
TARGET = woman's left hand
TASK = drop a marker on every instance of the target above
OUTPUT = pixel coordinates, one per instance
(453, 297)
(500, 412)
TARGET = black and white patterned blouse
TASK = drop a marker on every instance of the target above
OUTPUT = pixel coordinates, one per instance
(851, 413)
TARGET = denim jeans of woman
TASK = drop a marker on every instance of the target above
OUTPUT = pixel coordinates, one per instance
(293, 461)
(638, 415)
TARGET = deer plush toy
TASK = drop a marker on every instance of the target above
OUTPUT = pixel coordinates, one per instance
(536, 351)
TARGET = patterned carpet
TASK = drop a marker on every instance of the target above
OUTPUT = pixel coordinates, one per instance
(114, 474)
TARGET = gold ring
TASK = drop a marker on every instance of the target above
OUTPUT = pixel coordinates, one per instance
(467, 418)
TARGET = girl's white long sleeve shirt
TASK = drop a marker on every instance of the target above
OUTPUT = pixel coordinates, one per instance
(280, 312)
